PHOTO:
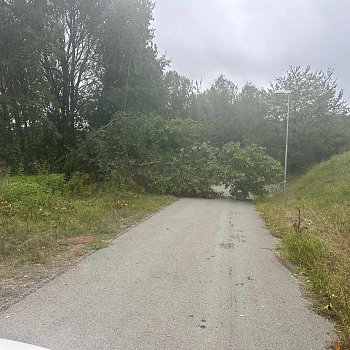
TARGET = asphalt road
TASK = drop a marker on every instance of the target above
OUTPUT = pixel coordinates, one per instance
(200, 274)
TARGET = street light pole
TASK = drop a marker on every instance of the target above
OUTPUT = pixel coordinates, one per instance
(285, 92)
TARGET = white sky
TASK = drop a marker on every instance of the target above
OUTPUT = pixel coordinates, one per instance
(254, 40)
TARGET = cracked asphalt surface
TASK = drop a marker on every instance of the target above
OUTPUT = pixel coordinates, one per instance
(200, 274)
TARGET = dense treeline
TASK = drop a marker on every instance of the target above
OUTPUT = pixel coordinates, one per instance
(70, 64)
(83, 88)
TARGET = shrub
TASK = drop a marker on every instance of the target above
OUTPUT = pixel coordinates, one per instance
(79, 183)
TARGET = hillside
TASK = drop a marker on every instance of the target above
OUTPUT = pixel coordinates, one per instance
(313, 220)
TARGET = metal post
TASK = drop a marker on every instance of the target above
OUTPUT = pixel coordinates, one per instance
(286, 150)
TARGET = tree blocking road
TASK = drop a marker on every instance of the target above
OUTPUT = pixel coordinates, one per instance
(200, 274)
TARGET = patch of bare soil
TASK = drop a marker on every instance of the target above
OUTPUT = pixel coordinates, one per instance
(82, 240)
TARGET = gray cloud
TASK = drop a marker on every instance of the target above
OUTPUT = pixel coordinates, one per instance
(254, 40)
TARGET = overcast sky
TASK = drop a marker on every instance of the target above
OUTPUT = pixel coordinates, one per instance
(254, 40)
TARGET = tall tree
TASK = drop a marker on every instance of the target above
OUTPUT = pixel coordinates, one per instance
(249, 110)
(132, 72)
(23, 92)
(319, 117)
(216, 106)
(70, 62)
(180, 94)
(216, 102)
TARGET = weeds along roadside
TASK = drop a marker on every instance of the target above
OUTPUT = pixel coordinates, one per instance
(313, 222)
(38, 214)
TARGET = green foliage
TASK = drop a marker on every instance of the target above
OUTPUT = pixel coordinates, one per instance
(310, 254)
(161, 155)
(180, 95)
(25, 203)
(247, 171)
(69, 68)
(78, 183)
(305, 249)
(132, 72)
(58, 62)
(32, 197)
(319, 118)
(24, 94)
(171, 156)
(332, 203)
(38, 213)
(190, 172)
(236, 115)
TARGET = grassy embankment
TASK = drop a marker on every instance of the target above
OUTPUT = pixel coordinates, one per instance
(317, 241)
(39, 215)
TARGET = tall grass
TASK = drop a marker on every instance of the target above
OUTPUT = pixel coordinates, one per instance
(317, 240)
(39, 213)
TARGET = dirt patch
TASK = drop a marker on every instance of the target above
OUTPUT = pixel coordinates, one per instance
(82, 240)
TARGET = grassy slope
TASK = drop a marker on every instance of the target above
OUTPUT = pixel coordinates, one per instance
(321, 247)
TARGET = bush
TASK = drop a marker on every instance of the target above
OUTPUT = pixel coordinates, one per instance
(28, 193)
(79, 183)
(28, 203)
